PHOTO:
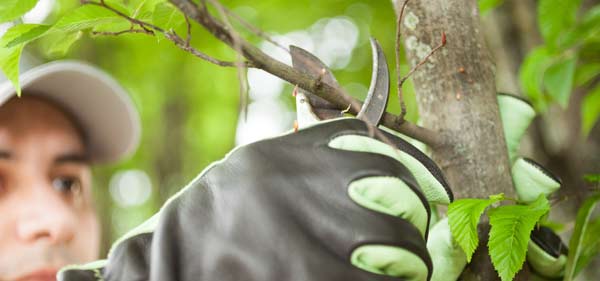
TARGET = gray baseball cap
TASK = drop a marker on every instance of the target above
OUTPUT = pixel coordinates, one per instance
(100, 105)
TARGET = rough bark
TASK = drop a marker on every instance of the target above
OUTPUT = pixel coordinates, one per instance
(456, 94)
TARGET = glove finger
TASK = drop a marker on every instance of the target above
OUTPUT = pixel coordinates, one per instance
(391, 196)
(546, 253)
(391, 261)
(447, 256)
(516, 114)
(428, 175)
(531, 180)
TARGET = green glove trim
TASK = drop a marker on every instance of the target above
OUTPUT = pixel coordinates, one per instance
(544, 263)
(516, 115)
(390, 196)
(531, 180)
(391, 261)
(433, 190)
(449, 260)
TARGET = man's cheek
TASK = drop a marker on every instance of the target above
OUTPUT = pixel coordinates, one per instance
(87, 237)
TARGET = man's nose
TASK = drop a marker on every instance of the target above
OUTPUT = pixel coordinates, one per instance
(46, 216)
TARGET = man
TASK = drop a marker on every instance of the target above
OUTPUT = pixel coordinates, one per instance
(70, 117)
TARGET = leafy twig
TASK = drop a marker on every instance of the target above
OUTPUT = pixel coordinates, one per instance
(149, 29)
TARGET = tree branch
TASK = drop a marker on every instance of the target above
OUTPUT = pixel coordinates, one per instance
(147, 28)
(262, 61)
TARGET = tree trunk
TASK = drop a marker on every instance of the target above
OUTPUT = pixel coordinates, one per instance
(456, 94)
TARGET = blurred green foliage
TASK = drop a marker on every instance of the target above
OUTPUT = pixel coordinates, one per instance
(567, 61)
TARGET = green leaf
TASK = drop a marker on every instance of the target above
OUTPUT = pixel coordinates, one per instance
(84, 17)
(585, 31)
(463, 217)
(509, 235)
(555, 17)
(12, 9)
(590, 110)
(558, 80)
(592, 178)
(60, 45)
(578, 241)
(22, 34)
(531, 75)
(590, 245)
(9, 63)
(145, 9)
(487, 5)
(585, 73)
(167, 16)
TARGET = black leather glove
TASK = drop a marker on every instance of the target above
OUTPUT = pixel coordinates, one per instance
(277, 210)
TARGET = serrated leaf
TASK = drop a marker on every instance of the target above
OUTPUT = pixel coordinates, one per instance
(167, 16)
(531, 75)
(511, 226)
(590, 110)
(487, 5)
(585, 73)
(463, 217)
(22, 34)
(84, 17)
(558, 80)
(555, 17)
(9, 64)
(578, 240)
(12, 9)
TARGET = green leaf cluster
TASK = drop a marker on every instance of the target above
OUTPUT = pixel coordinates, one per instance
(567, 60)
(69, 28)
(511, 226)
(463, 217)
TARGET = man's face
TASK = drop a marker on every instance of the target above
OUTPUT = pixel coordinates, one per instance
(47, 219)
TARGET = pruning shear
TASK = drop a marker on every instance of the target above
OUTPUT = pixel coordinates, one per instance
(311, 108)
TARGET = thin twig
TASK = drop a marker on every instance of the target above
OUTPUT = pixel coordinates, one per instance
(398, 32)
(117, 33)
(257, 31)
(189, 30)
(424, 60)
(241, 71)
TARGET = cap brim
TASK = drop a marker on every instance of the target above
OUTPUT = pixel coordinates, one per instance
(100, 105)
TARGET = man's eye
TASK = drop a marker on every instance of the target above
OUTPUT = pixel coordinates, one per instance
(67, 185)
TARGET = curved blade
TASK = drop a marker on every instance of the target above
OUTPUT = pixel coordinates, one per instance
(313, 66)
(379, 91)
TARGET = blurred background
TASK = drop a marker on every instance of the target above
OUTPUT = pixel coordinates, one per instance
(190, 109)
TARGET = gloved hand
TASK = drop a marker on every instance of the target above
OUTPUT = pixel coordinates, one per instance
(546, 253)
(302, 206)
